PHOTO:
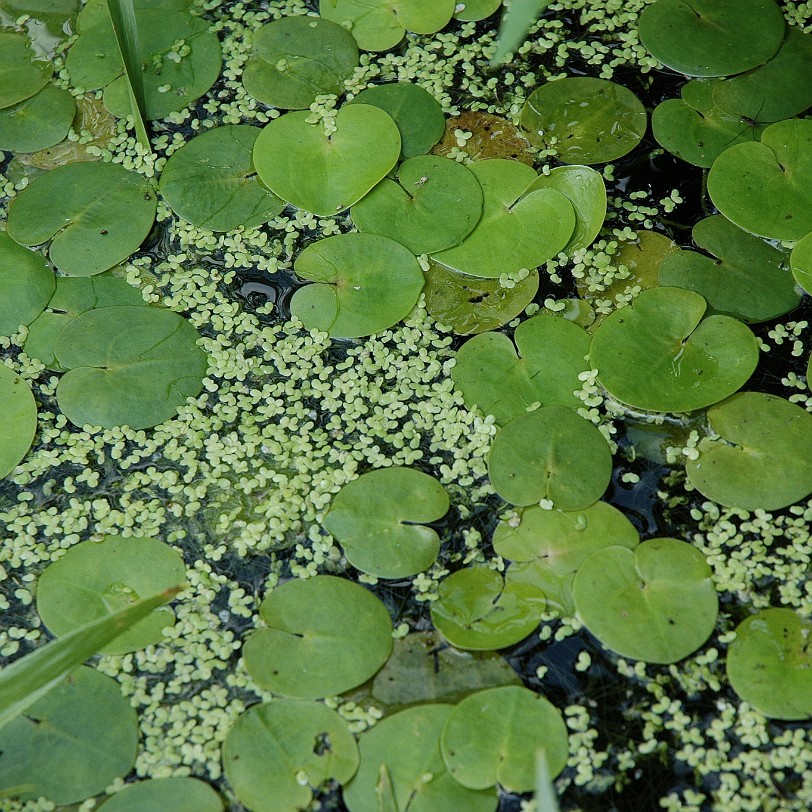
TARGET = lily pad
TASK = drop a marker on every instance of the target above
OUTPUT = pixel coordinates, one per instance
(95, 214)
(277, 752)
(550, 453)
(366, 283)
(127, 366)
(407, 745)
(474, 10)
(585, 120)
(469, 305)
(38, 122)
(656, 603)
(517, 230)
(324, 636)
(295, 59)
(71, 743)
(94, 579)
(712, 37)
(326, 174)
(764, 187)
(22, 74)
(487, 136)
(434, 205)
(749, 280)
(378, 520)
(18, 417)
(551, 355)
(416, 112)
(801, 262)
(178, 794)
(26, 285)
(477, 609)
(661, 355)
(492, 737)
(769, 664)
(763, 457)
(210, 181)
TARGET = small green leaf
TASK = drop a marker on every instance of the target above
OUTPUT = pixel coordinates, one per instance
(18, 417)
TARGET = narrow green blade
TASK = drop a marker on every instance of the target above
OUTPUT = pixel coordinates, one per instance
(546, 800)
(385, 792)
(516, 21)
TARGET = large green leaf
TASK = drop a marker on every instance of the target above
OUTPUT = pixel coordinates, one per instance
(18, 417)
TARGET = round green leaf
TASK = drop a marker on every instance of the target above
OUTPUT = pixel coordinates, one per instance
(378, 520)
(712, 37)
(656, 603)
(550, 453)
(469, 305)
(801, 262)
(95, 214)
(477, 609)
(407, 746)
(517, 230)
(21, 73)
(326, 174)
(435, 204)
(18, 417)
(493, 376)
(660, 354)
(416, 112)
(210, 181)
(278, 751)
(324, 636)
(94, 579)
(492, 737)
(769, 664)
(585, 120)
(763, 457)
(474, 10)
(176, 794)
(749, 280)
(71, 743)
(367, 283)
(26, 285)
(295, 59)
(127, 366)
(38, 122)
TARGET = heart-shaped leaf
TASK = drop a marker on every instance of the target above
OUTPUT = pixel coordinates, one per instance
(801, 262)
(474, 10)
(38, 122)
(18, 416)
(21, 73)
(179, 794)
(26, 285)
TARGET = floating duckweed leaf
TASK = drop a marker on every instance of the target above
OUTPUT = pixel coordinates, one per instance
(176, 794)
(477, 609)
(695, 129)
(18, 417)
(764, 187)
(73, 742)
(325, 635)
(277, 752)
(585, 189)
(407, 745)
(660, 354)
(551, 355)
(488, 136)
(378, 518)
(367, 283)
(492, 737)
(434, 205)
(94, 579)
(552, 544)
(26, 285)
(769, 664)
(95, 214)
(327, 174)
(379, 25)
(21, 73)
(763, 458)
(801, 262)
(416, 112)
(749, 280)
(550, 453)
(127, 366)
(712, 37)
(469, 305)
(475, 10)
(656, 603)
(37, 122)
(210, 181)
(517, 230)
(585, 120)
(295, 59)
(423, 669)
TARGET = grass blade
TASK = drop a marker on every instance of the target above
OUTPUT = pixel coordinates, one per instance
(385, 792)
(516, 21)
(546, 800)
(24, 681)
